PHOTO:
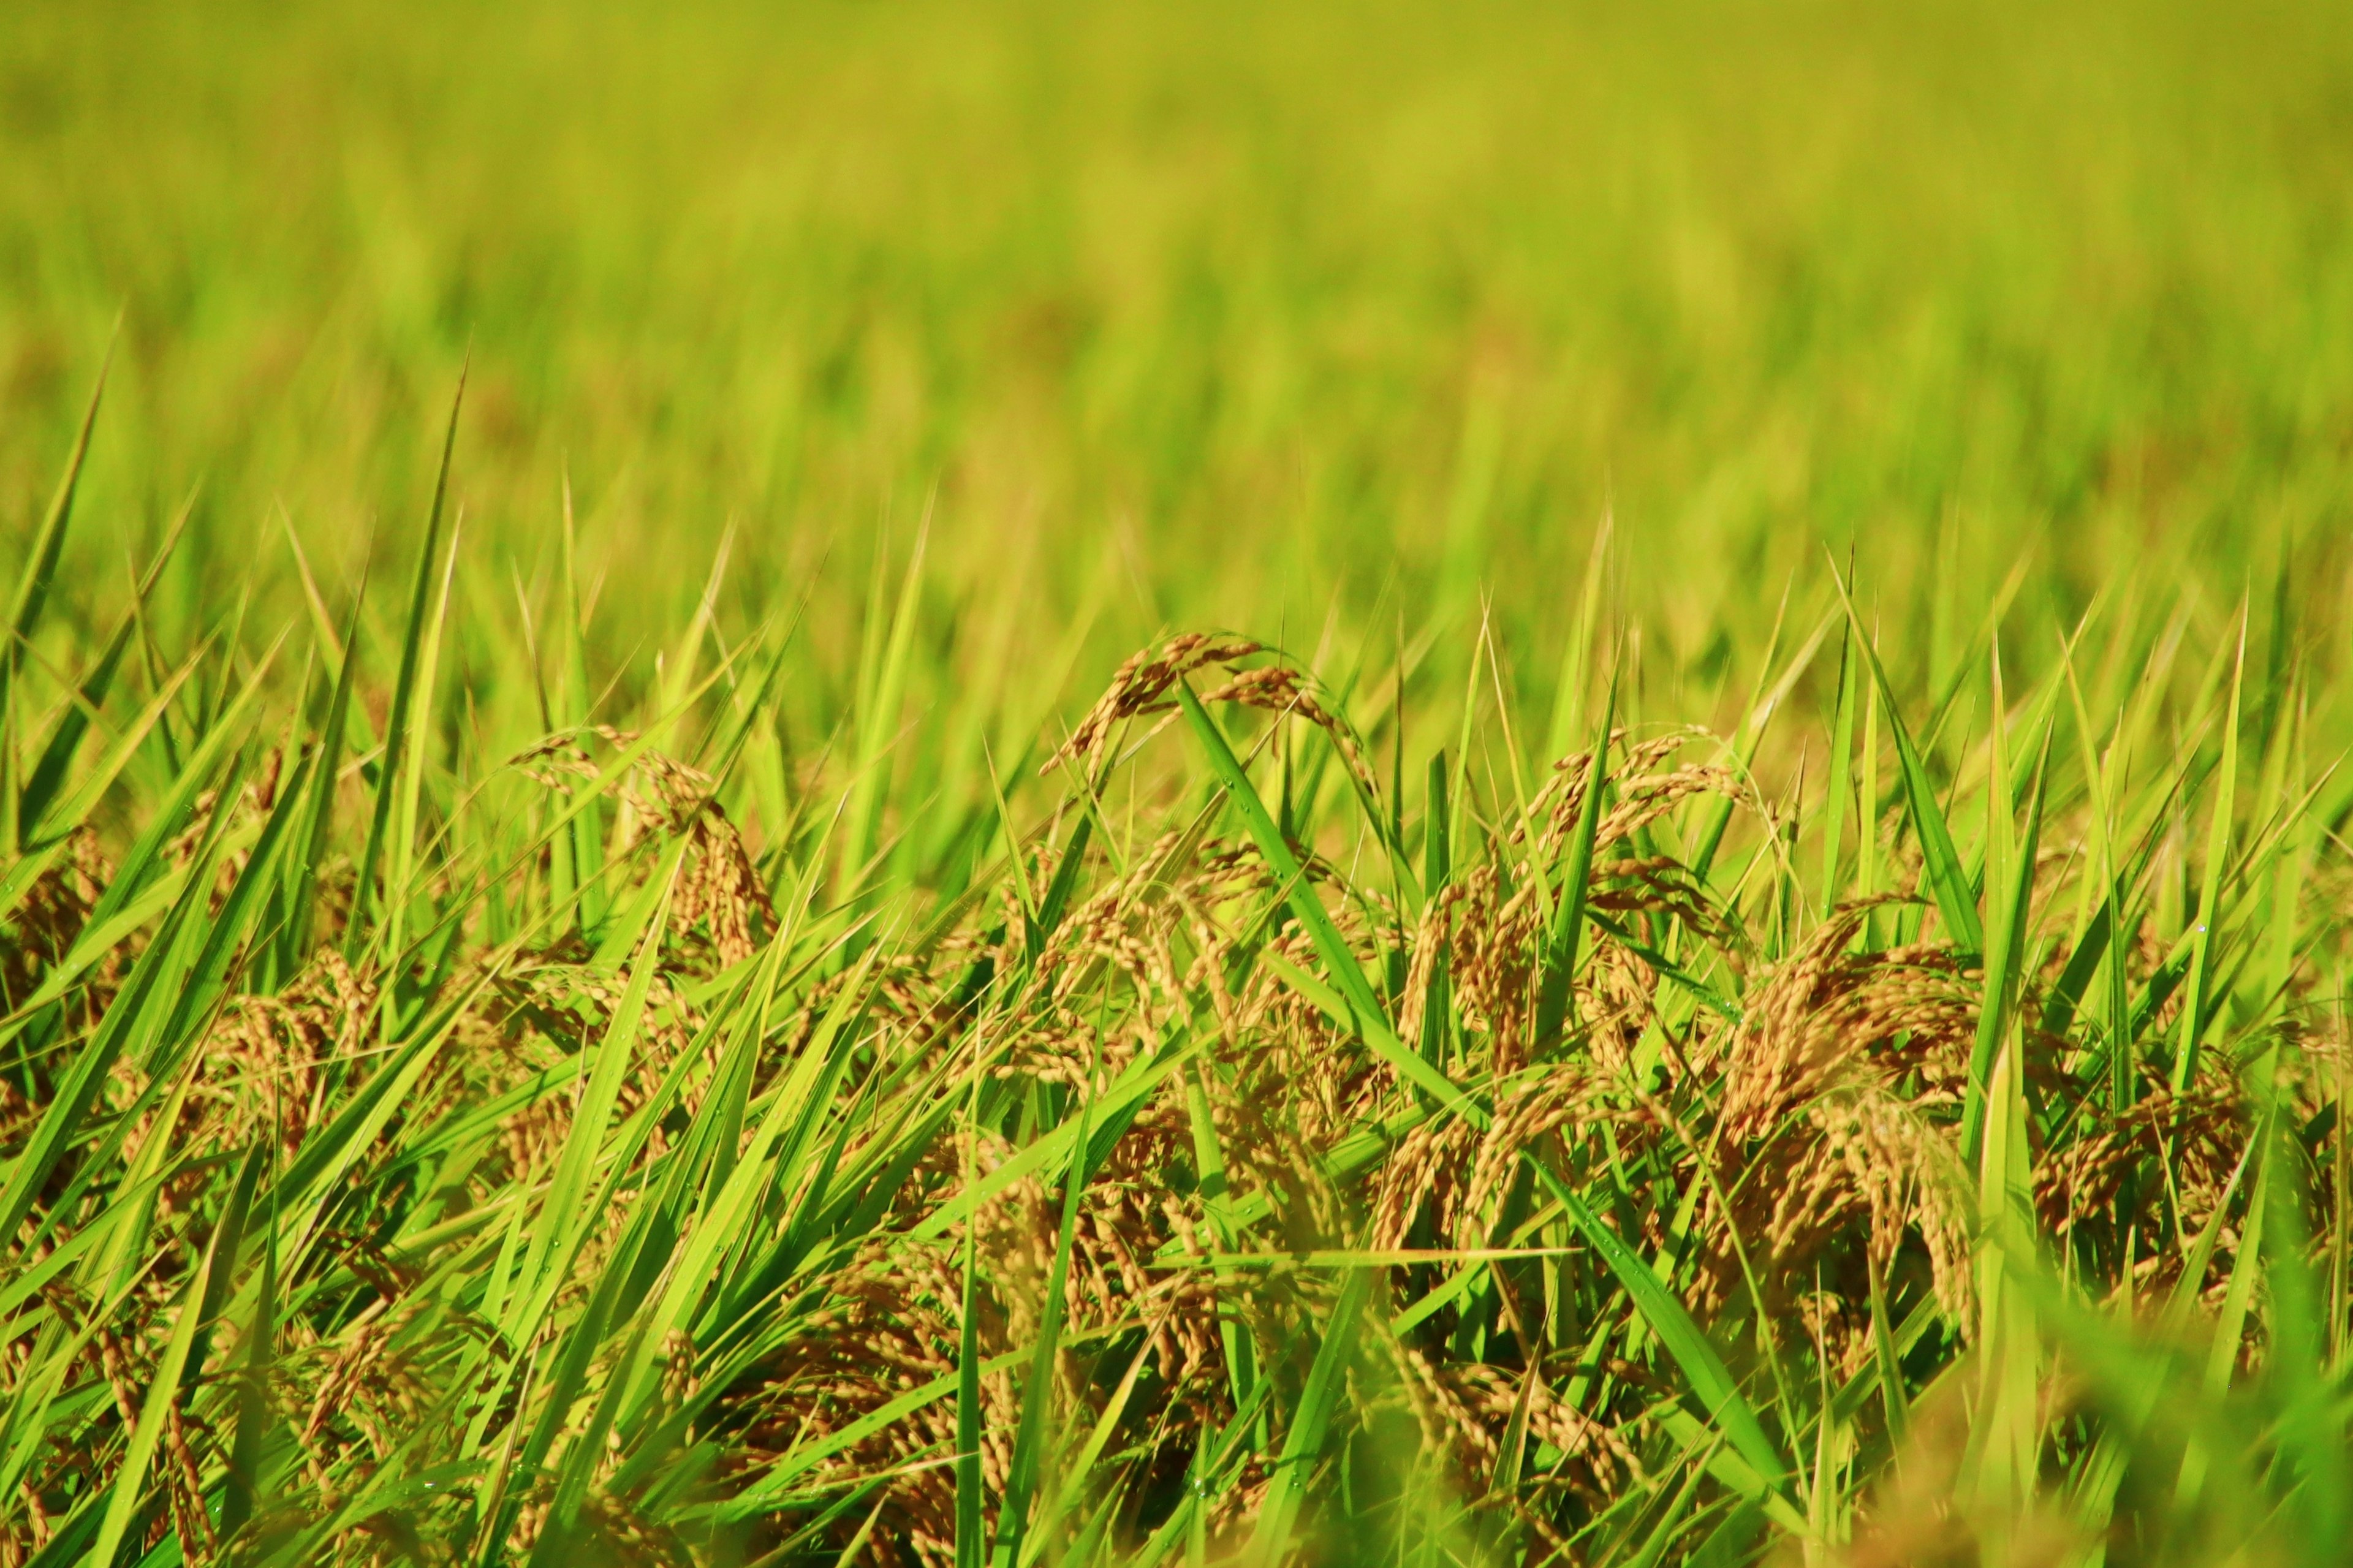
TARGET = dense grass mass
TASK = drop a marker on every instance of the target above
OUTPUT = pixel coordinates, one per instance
(1034, 783)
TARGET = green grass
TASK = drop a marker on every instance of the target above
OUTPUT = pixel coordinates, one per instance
(1710, 926)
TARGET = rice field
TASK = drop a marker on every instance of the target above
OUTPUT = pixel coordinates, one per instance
(1042, 783)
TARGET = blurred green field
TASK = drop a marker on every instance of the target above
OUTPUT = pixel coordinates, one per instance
(1200, 316)
(1734, 952)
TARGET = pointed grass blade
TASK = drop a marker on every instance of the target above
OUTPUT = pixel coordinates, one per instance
(1948, 878)
(48, 543)
(164, 1389)
(241, 1497)
(970, 1546)
(1038, 1394)
(2006, 957)
(2197, 1013)
(1560, 951)
(48, 774)
(318, 820)
(398, 718)
(1842, 782)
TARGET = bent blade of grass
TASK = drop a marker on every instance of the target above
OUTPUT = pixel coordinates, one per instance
(1118, 1106)
(1733, 1469)
(1370, 1020)
(1702, 1367)
(727, 1213)
(553, 1240)
(302, 1192)
(1303, 1444)
(764, 1494)
(587, 1451)
(1082, 1467)
(1667, 969)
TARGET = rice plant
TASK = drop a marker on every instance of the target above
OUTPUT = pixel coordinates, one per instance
(1249, 1146)
(1054, 785)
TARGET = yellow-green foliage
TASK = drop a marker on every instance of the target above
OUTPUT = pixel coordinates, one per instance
(1199, 315)
(635, 973)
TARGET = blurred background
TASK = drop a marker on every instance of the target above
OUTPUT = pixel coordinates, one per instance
(1308, 321)
(851, 385)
